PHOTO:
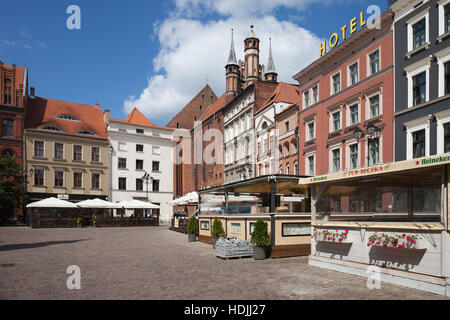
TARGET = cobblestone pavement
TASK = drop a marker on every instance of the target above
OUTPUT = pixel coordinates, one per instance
(155, 263)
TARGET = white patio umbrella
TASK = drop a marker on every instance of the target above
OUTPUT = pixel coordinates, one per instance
(190, 198)
(136, 204)
(98, 204)
(52, 203)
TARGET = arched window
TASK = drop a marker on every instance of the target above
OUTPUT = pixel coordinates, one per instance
(67, 117)
(51, 128)
(86, 133)
(264, 125)
(7, 153)
(8, 91)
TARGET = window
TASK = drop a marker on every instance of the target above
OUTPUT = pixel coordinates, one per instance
(39, 177)
(311, 168)
(95, 154)
(204, 225)
(51, 128)
(77, 153)
(87, 133)
(311, 131)
(7, 153)
(139, 148)
(296, 229)
(374, 151)
(95, 181)
(122, 163)
(155, 166)
(306, 95)
(315, 91)
(419, 144)
(287, 126)
(296, 168)
(139, 164)
(39, 149)
(447, 77)
(59, 151)
(336, 121)
(122, 146)
(354, 114)
(354, 156)
(374, 62)
(354, 76)
(447, 137)
(336, 160)
(419, 89)
(67, 117)
(139, 185)
(140, 131)
(374, 106)
(7, 128)
(236, 228)
(447, 18)
(288, 169)
(155, 186)
(336, 83)
(419, 34)
(59, 178)
(122, 183)
(77, 180)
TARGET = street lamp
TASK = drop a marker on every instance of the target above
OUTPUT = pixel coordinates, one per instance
(358, 133)
(147, 177)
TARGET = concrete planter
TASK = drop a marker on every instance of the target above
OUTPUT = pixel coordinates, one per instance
(260, 253)
(214, 240)
(192, 237)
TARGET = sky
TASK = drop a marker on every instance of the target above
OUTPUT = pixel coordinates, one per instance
(157, 55)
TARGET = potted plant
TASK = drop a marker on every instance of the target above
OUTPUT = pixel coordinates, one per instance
(261, 240)
(79, 221)
(192, 229)
(324, 215)
(94, 221)
(217, 231)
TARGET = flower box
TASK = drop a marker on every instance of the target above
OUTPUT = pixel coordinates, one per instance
(396, 241)
(330, 237)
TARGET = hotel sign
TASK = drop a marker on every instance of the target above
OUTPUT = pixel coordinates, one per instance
(347, 30)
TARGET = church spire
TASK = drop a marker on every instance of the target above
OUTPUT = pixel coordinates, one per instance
(232, 57)
(271, 73)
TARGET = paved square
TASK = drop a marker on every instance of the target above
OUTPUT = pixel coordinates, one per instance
(155, 263)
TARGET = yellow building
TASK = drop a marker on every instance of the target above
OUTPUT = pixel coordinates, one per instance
(66, 151)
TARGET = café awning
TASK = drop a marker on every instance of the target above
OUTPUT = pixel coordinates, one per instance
(98, 204)
(52, 203)
(137, 204)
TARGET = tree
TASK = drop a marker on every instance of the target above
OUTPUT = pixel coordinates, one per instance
(11, 185)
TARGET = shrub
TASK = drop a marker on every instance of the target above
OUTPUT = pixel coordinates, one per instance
(192, 226)
(79, 220)
(260, 236)
(217, 229)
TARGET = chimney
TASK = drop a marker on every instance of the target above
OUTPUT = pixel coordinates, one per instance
(97, 105)
(106, 116)
(32, 91)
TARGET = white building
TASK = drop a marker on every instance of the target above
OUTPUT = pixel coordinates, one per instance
(141, 149)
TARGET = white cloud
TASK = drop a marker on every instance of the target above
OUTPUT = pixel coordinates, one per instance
(192, 51)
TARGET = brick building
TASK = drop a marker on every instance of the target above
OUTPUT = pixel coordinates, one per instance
(13, 100)
(346, 109)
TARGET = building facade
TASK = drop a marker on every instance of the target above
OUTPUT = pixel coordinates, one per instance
(422, 78)
(66, 151)
(141, 166)
(13, 99)
(286, 124)
(346, 108)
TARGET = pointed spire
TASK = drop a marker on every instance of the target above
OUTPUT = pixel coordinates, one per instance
(232, 57)
(271, 64)
(252, 25)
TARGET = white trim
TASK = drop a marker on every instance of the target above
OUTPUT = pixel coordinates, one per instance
(442, 119)
(368, 67)
(332, 148)
(349, 113)
(380, 150)
(411, 22)
(414, 126)
(349, 144)
(332, 92)
(441, 5)
(307, 156)
(442, 58)
(307, 135)
(367, 102)
(414, 70)
(349, 76)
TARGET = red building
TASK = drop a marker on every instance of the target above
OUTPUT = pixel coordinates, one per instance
(346, 109)
(13, 99)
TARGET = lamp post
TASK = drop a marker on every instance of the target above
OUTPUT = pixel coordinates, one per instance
(372, 132)
(25, 175)
(147, 177)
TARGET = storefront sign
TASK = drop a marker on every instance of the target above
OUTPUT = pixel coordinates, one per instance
(433, 160)
(351, 28)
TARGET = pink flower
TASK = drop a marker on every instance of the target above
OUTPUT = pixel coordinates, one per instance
(315, 230)
(378, 242)
(376, 231)
(414, 241)
(324, 231)
(394, 249)
(369, 244)
(384, 245)
(329, 239)
(346, 231)
(400, 246)
(404, 235)
(340, 239)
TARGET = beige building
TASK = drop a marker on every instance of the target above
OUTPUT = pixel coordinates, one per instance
(66, 151)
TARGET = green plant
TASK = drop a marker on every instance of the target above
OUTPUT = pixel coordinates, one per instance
(94, 220)
(260, 236)
(393, 241)
(330, 236)
(192, 226)
(217, 229)
(79, 220)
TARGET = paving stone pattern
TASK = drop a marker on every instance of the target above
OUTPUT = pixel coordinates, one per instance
(155, 263)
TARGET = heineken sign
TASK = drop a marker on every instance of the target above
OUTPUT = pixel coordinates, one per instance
(433, 160)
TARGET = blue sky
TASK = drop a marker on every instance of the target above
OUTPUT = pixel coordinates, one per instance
(157, 55)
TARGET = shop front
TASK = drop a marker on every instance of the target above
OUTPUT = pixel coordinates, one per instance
(389, 221)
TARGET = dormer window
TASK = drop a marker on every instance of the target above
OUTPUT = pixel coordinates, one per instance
(86, 133)
(51, 128)
(67, 117)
